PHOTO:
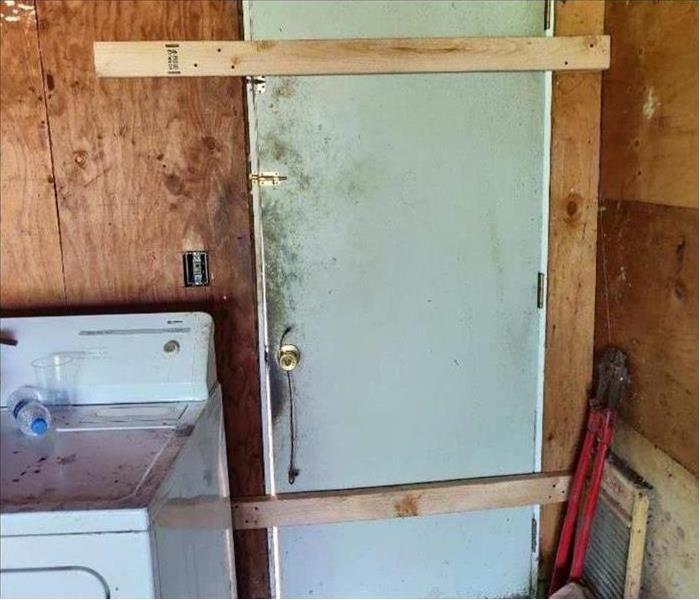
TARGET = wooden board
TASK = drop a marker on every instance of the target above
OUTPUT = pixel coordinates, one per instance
(670, 567)
(391, 502)
(144, 171)
(572, 254)
(366, 504)
(647, 305)
(635, 552)
(31, 273)
(650, 108)
(354, 56)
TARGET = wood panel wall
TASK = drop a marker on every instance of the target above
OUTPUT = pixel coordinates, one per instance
(647, 287)
(105, 183)
(648, 281)
(30, 251)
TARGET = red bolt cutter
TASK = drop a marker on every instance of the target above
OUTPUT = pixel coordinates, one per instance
(613, 379)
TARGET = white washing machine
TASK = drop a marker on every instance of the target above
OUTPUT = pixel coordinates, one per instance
(79, 507)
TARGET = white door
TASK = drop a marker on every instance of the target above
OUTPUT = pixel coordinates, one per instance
(401, 256)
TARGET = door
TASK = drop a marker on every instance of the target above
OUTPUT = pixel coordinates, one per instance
(401, 256)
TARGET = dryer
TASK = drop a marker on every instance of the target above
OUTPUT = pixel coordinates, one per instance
(79, 507)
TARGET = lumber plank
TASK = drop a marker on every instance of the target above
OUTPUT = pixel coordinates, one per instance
(354, 56)
(391, 502)
(573, 206)
(366, 504)
(635, 553)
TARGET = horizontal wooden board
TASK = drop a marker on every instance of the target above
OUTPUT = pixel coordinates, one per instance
(391, 502)
(650, 103)
(647, 305)
(354, 56)
(367, 504)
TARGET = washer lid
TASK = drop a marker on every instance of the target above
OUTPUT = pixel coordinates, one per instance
(98, 457)
(109, 359)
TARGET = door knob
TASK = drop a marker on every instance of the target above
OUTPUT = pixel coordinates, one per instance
(289, 357)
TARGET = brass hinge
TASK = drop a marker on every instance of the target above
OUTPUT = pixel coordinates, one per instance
(267, 178)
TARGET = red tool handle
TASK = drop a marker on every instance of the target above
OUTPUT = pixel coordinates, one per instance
(584, 532)
(561, 561)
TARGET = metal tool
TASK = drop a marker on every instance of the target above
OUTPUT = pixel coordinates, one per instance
(613, 380)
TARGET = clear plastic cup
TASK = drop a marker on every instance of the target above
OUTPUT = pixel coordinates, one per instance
(57, 374)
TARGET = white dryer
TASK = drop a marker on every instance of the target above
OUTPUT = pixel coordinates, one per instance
(79, 507)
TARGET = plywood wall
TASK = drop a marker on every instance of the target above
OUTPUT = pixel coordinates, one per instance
(647, 286)
(31, 266)
(648, 254)
(105, 183)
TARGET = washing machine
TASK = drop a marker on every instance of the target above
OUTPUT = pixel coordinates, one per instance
(80, 506)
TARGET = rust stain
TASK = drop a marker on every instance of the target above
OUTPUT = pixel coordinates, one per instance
(407, 506)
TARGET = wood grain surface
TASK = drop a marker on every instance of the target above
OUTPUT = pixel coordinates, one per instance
(650, 111)
(648, 306)
(178, 58)
(400, 501)
(571, 280)
(367, 504)
(671, 555)
(30, 253)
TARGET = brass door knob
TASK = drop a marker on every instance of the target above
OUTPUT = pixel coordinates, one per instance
(289, 357)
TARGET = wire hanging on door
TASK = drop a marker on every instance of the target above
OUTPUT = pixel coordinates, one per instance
(293, 471)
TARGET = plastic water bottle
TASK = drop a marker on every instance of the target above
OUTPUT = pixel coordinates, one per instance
(26, 406)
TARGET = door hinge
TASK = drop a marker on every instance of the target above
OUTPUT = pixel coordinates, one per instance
(540, 290)
(258, 83)
(267, 178)
(547, 14)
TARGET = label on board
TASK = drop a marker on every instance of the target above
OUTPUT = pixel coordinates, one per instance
(173, 54)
